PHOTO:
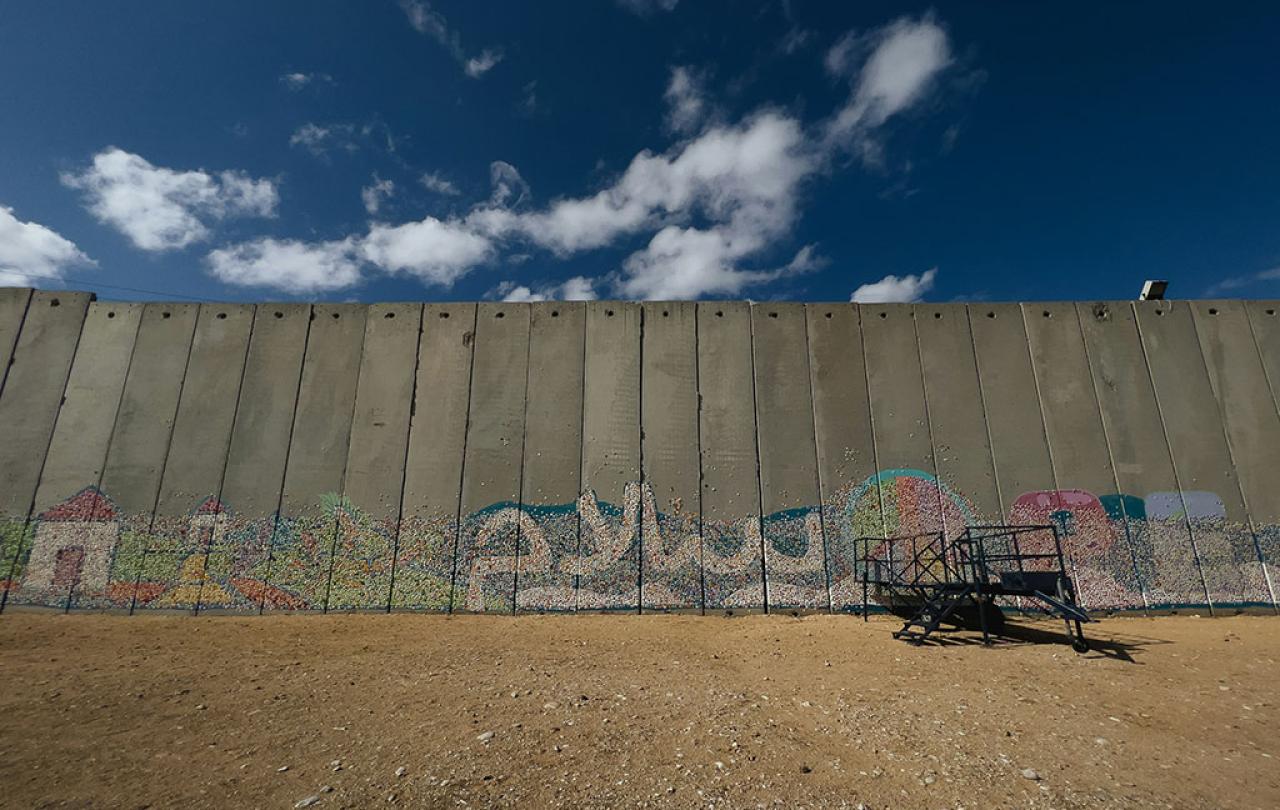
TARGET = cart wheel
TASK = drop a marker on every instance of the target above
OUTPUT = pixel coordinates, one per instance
(1080, 645)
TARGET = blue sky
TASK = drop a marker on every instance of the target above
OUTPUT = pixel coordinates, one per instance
(447, 150)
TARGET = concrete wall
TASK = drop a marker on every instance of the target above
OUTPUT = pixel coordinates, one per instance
(617, 456)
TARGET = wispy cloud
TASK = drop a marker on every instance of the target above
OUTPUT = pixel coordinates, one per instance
(1241, 282)
(434, 181)
(647, 7)
(429, 22)
(890, 70)
(32, 254)
(373, 194)
(166, 209)
(896, 289)
(528, 104)
(794, 40)
(477, 66)
(300, 81)
(688, 108)
(321, 140)
(509, 188)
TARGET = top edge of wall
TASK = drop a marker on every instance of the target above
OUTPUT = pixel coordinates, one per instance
(816, 302)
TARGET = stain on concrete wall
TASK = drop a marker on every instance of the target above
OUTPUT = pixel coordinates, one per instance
(720, 456)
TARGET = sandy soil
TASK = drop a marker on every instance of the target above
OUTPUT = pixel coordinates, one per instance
(655, 711)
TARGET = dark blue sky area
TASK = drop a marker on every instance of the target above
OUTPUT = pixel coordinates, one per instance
(383, 150)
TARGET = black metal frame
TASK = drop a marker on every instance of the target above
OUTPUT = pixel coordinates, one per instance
(934, 580)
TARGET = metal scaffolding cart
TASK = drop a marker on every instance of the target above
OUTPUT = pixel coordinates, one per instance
(931, 580)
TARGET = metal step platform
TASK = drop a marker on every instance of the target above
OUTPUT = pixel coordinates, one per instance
(931, 580)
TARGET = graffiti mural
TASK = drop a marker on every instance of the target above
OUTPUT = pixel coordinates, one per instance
(1096, 548)
(1125, 552)
(889, 504)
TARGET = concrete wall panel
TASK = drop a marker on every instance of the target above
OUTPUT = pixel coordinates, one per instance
(138, 456)
(1085, 505)
(369, 516)
(190, 523)
(82, 434)
(301, 561)
(610, 534)
(957, 420)
(795, 559)
(1259, 480)
(32, 395)
(1019, 446)
(428, 538)
(13, 308)
(1149, 494)
(909, 491)
(672, 566)
(552, 467)
(1211, 496)
(732, 549)
(207, 410)
(1016, 426)
(259, 449)
(1264, 320)
(1249, 417)
(77, 454)
(488, 534)
(850, 489)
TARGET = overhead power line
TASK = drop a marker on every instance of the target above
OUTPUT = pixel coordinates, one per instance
(90, 285)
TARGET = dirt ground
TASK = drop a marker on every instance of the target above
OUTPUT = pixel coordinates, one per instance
(655, 711)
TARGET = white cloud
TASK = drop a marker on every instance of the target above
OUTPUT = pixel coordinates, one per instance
(288, 265)
(578, 288)
(841, 58)
(436, 251)
(299, 81)
(904, 59)
(509, 188)
(795, 39)
(895, 289)
(510, 291)
(1239, 282)
(163, 209)
(744, 179)
(646, 7)
(690, 263)
(715, 208)
(432, 181)
(372, 195)
(321, 139)
(751, 170)
(529, 100)
(426, 20)
(31, 254)
(318, 140)
(477, 66)
(687, 105)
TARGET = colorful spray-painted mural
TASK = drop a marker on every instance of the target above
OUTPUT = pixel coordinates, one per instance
(249, 485)
(82, 554)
